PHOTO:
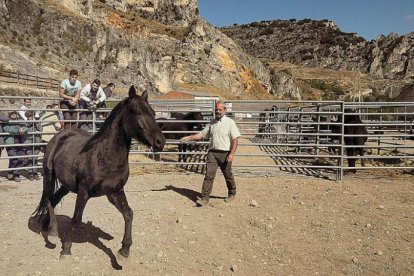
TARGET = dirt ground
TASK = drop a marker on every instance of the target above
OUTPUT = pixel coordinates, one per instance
(280, 224)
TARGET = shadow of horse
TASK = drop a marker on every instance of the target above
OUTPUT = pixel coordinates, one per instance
(87, 232)
(188, 193)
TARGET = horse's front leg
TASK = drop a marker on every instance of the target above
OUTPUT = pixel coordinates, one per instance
(120, 202)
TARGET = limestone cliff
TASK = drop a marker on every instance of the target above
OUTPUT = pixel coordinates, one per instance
(159, 45)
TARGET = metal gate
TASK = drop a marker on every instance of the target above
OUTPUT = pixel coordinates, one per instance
(303, 137)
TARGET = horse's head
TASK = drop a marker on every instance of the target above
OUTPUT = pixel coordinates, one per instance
(351, 116)
(140, 121)
(197, 116)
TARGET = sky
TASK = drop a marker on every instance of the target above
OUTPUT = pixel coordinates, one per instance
(367, 18)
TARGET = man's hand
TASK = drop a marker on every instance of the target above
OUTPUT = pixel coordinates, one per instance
(73, 101)
(184, 139)
(230, 157)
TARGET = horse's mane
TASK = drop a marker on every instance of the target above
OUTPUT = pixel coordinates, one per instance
(96, 138)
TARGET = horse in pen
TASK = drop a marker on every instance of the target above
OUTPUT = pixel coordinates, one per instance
(93, 166)
(175, 130)
(355, 136)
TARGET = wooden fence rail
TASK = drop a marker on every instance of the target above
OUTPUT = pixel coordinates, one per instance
(28, 80)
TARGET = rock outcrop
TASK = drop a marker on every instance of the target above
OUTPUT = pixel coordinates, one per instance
(321, 44)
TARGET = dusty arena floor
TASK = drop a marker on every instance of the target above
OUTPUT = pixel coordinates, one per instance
(278, 225)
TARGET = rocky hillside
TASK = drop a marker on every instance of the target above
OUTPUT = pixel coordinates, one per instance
(322, 44)
(160, 45)
(164, 45)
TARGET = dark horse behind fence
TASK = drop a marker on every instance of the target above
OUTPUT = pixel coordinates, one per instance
(97, 165)
(355, 134)
(176, 130)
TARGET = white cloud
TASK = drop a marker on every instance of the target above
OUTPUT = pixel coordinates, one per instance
(409, 17)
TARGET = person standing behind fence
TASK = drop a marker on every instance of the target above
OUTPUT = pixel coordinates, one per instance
(92, 97)
(59, 113)
(16, 130)
(3, 119)
(32, 141)
(27, 103)
(50, 123)
(223, 134)
(70, 92)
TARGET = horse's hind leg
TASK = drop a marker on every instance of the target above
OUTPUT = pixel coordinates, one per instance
(81, 200)
(180, 155)
(55, 199)
(52, 223)
(120, 202)
(361, 153)
(351, 159)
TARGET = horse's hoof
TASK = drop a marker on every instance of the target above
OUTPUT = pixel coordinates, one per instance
(65, 257)
(123, 253)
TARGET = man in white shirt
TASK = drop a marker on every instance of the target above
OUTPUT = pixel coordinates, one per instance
(223, 134)
(92, 97)
(27, 103)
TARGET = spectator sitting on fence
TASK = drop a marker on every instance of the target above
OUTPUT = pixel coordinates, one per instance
(50, 123)
(92, 97)
(3, 119)
(16, 130)
(32, 141)
(70, 92)
(27, 103)
(108, 90)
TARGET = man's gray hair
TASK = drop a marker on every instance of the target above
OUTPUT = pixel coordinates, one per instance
(223, 103)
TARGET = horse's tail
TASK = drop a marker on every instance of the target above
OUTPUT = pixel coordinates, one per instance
(50, 183)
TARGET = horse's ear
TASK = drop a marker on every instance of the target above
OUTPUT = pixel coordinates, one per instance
(132, 92)
(144, 95)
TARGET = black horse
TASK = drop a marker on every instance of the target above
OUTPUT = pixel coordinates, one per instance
(353, 136)
(97, 165)
(176, 130)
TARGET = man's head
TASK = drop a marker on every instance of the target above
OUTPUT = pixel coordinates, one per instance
(27, 102)
(111, 86)
(73, 75)
(95, 85)
(220, 110)
(13, 115)
(29, 114)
